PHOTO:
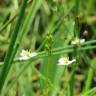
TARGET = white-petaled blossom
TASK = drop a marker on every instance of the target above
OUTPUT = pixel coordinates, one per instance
(25, 54)
(65, 61)
(78, 41)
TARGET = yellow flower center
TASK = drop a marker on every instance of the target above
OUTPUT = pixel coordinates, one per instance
(27, 53)
(77, 41)
(66, 60)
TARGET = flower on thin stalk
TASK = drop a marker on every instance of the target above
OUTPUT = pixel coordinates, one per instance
(78, 41)
(65, 61)
(25, 54)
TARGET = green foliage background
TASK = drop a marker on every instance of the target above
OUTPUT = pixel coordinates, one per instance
(47, 27)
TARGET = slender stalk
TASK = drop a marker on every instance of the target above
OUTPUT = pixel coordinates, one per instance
(57, 51)
(35, 6)
(90, 92)
(89, 80)
(6, 24)
(4, 72)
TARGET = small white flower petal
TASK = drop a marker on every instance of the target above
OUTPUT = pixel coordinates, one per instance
(82, 41)
(23, 52)
(63, 61)
(24, 58)
(33, 54)
(73, 42)
(70, 62)
(78, 41)
(62, 64)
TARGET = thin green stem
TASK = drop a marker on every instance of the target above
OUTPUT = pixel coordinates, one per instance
(4, 72)
(57, 51)
(89, 80)
(6, 24)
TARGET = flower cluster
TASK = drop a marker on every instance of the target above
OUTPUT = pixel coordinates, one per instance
(25, 54)
(65, 60)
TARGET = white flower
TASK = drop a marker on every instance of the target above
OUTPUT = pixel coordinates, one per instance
(24, 55)
(78, 41)
(65, 61)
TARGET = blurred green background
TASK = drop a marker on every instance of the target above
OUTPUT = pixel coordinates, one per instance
(48, 27)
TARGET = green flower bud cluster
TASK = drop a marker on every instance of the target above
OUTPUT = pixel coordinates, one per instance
(49, 43)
